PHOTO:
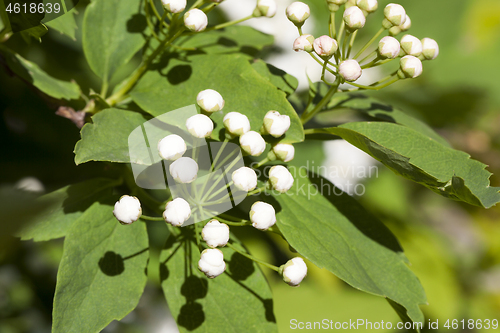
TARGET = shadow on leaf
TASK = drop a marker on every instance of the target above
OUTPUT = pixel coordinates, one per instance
(191, 316)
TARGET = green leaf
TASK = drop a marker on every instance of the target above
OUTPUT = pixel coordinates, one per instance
(36, 32)
(178, 83)
(335, 232)
(102, 272)
(106, 138)
(238, 300)
(111, 34)
(232, 39)
(64, 207)
(31, 73)
(283, 81)
(381, 111)
(446, 171)
(65, 24)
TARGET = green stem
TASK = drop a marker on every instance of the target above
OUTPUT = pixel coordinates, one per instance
(220, 190)
(231, 246)
(197, 4)
(374, 53)
(257, 190)
(261, 163)
(374, 87)
(112, 100)
(220, 178)
(369, 43)
(321, 63)
(351, 43)
(333, 32)
(309, 115)
(197, 235)
(227, 24)
(376, 63)
(340, 40)
(234, 223)
(152, 218)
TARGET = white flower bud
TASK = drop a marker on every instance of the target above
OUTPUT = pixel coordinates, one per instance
(430, 48)
(294, 271)
(276, 124)
(245, 179)
(411, 66)
(210, 100)
(252, 143)
(127, 209)
(389, 47)
(265, 8)
(354, 18)
(215, 233)
(298, 12)
(303, 43)
(184, 170)
(403, 27)
(200, 126)
(174, 6)
(177, 212)
(284, 152)
(394, 14)
(171, 147)
(212, 263)
(325, 46)
(350, 70)
(195, 20)
(236, 123)
(280, 178)
(411, 45)
(368, 5)
(262, 215)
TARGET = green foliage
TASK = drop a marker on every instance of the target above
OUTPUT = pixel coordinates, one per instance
(333, 231)
(111, 34)
(106, 138)
(238, 301)
(417, 157)
(32, 74)
(65, 206)
(102, 273)
(65, 24)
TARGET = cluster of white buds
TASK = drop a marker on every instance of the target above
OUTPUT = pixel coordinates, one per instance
(262, 215)
(304, 43)
(354, 18)
(236, 123)
(395, 15)
(252, 143)
(396, 30)
(369, 6)
(195, 20)
(275, 124)
(280, 178)
(298, 12)
(294, 271)
(411, 67)
(350, 69)
(212, 263)
(200, 126)
(430, 48)
(184, 170)
(215, 234)
(411, 45)
(389, 47)
(177, 212)
(127, 209)
(210, 100)
(174, 6)
(171, 147)
(325, 46)
(265, 8)
(284, 152)
(244, 178)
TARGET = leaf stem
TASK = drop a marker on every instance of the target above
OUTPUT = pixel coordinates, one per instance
(249, 256)
(230, 23)
(375, 87)
(152, 218)
(369, 43)
(306, 116)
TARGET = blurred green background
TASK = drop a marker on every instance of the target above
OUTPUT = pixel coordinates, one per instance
(454, 248)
